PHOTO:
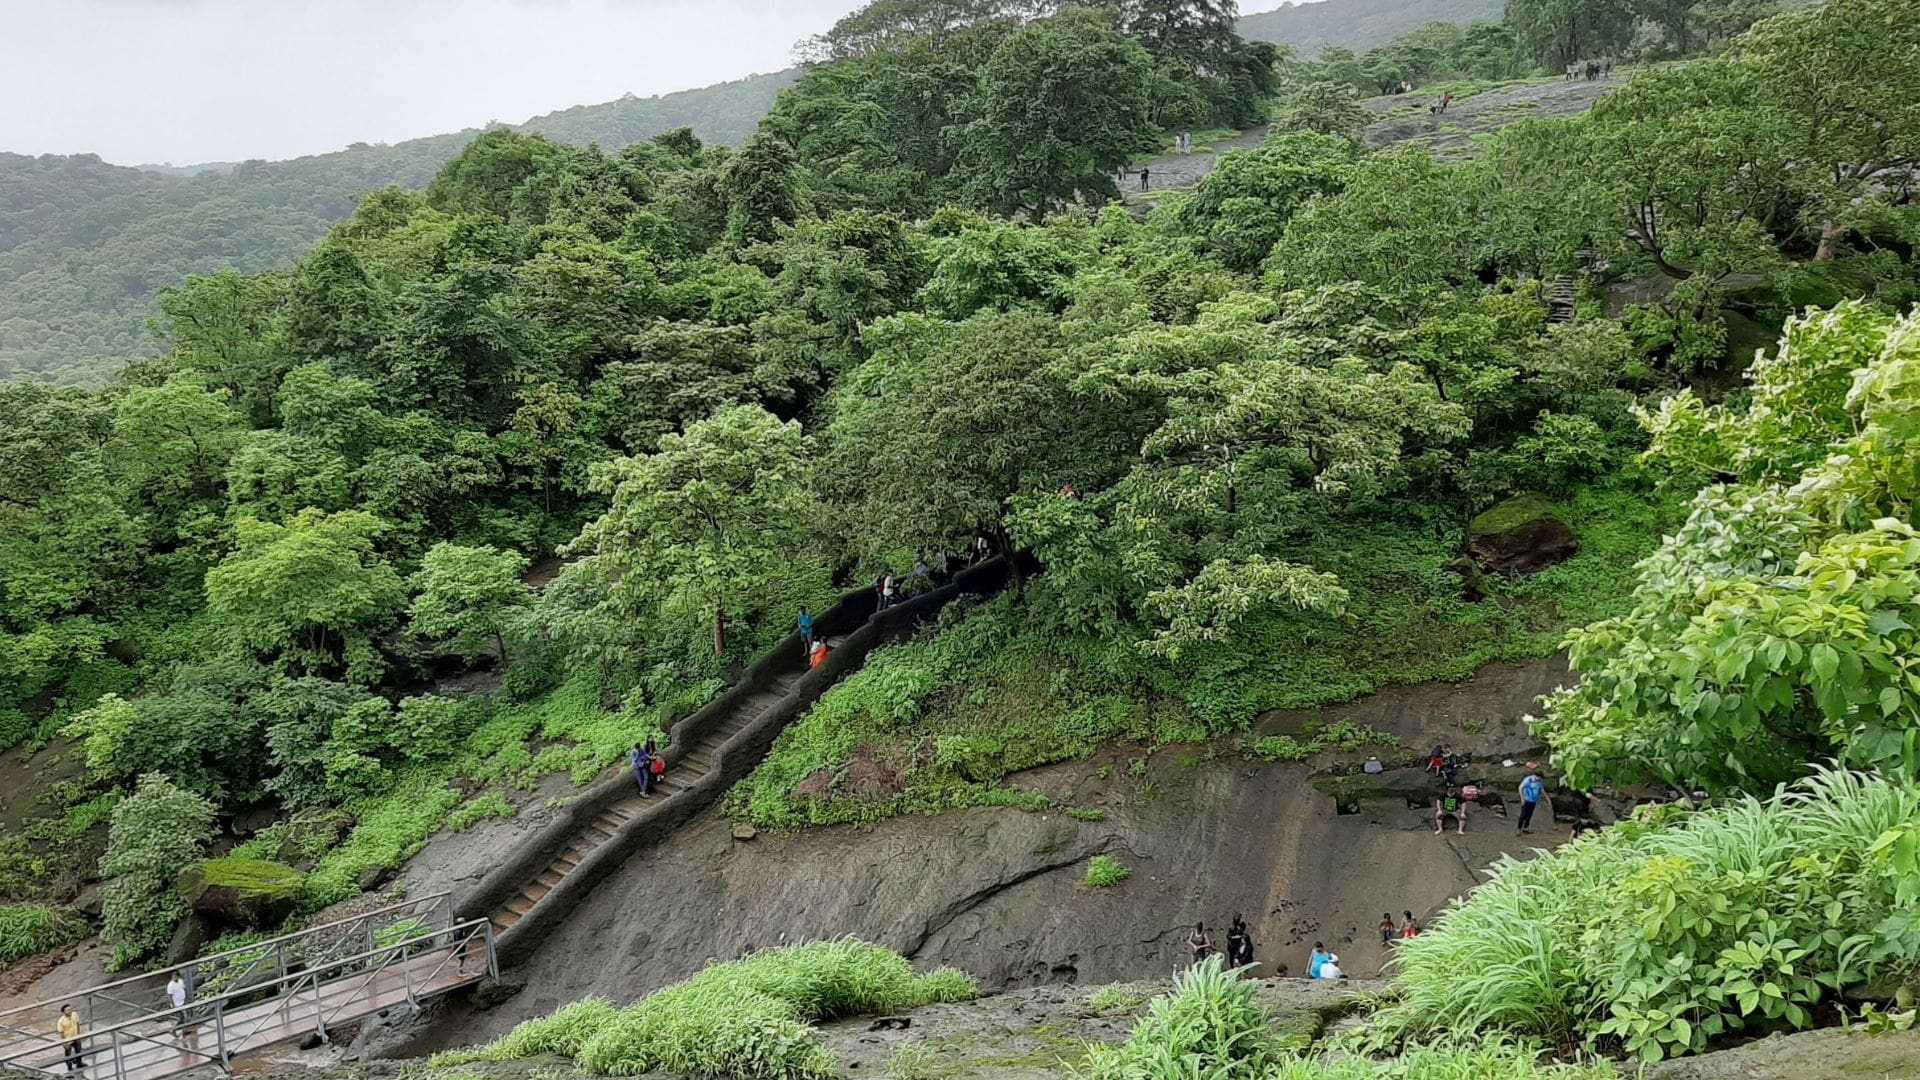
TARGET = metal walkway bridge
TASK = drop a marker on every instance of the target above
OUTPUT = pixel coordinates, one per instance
(246, 999)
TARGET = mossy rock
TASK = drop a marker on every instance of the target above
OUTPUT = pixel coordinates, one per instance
(1522, 535)
(252, 893)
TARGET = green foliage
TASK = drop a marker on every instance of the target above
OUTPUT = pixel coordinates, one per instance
(1104, 871)
(1768, 631)
(1659, 939)
(478, 809)
(1485, 1059)
(1086, 813)
(1340, 735)
(313, 593)
(27, 930)
(1210, 1025)
(156, 830)
(1322, 108)
(389, 829)
(748, 1018)
(469, 595)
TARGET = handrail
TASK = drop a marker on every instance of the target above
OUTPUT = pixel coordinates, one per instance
(196, 964)
(459, 937)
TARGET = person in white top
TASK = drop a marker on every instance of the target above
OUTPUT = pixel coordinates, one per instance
(1331, 969)
(177, 993)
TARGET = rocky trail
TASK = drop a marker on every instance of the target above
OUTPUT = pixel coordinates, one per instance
(1403, 119)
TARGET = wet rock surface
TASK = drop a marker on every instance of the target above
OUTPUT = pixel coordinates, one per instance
(1208, 832)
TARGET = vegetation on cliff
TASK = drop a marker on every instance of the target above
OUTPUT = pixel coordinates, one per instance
(1245, 436)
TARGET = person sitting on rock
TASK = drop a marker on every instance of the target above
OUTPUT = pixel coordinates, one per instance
(1331, 969)
(1451, 803)
(1316, 958)
(1239, 945)
(1387, 929)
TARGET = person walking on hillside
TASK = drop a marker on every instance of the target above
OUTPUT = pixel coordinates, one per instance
(642, 758)
(805, 622)
(1606, 70)
(1200, 943)
(69, 1028)
(1143, 179)
(1530, 791)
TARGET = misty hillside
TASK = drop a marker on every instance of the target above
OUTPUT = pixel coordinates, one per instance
(85, 245)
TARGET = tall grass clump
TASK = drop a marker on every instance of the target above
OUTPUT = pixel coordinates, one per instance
(1655, 938)
(1209, 1026)
(750, 1018)
(31, 929)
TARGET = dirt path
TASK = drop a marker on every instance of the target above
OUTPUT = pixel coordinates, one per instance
(1404, 119)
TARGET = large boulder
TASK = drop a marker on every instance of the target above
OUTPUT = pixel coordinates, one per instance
(249, 893)
(1522, 535)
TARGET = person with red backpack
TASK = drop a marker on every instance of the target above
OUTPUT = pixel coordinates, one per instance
(647, 767)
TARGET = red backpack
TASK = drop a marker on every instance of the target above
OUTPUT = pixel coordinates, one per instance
(659, 766)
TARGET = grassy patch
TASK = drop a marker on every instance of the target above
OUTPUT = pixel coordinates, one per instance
(30, 929)
(1105, 871)
(749, 1019)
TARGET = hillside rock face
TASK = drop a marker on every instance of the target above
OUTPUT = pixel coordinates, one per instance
(1001, 893)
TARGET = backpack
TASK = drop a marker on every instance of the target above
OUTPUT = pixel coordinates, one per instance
(659, 766)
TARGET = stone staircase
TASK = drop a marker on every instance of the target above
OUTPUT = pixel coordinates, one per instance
(684, 772)
(1562, 297)
(535, 886)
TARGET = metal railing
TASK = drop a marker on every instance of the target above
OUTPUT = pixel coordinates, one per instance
(287, 987)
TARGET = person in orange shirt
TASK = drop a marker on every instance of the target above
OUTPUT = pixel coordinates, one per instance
(819, 654)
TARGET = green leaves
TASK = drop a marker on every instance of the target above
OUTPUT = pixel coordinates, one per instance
(1773, 629)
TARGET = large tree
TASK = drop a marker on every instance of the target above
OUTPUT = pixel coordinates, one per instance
(1063, 103)
(1556, 33)
(710, 518)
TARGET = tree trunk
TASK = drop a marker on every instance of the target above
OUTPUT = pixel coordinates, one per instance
(1830, 233)
(500, 643)
(719, 631)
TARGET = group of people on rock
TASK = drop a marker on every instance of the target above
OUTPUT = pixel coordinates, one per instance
(1239, 952)
(1592, 70)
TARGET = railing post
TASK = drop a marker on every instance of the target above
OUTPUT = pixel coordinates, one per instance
(493, 958)
(220, 1031)
(119, 1063)
(319, 1009)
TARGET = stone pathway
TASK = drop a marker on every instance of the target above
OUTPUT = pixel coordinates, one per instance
(1404, 119)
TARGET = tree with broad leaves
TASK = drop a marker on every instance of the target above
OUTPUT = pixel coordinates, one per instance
(469, 596)
(711, 517)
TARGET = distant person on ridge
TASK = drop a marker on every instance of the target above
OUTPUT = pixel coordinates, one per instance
(1530, 791)
(1143, 179)
(1200, 943)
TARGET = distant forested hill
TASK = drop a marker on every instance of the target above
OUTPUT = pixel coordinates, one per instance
(1360, 24)
(84, 245)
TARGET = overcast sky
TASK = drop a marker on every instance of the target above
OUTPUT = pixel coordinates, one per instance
(184, 81)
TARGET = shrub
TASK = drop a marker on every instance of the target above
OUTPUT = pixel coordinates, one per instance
(1657, 938)
(31, 929)
(491, 805)
(749, 1018)
(1086, 813)
(1105, 870)
(1208, 1026)
(252, 877)
(156, 830)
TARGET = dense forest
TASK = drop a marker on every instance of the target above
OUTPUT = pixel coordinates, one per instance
(85, 245)
(1243, 435)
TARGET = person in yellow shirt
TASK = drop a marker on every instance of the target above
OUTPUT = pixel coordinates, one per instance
(69, 1028)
